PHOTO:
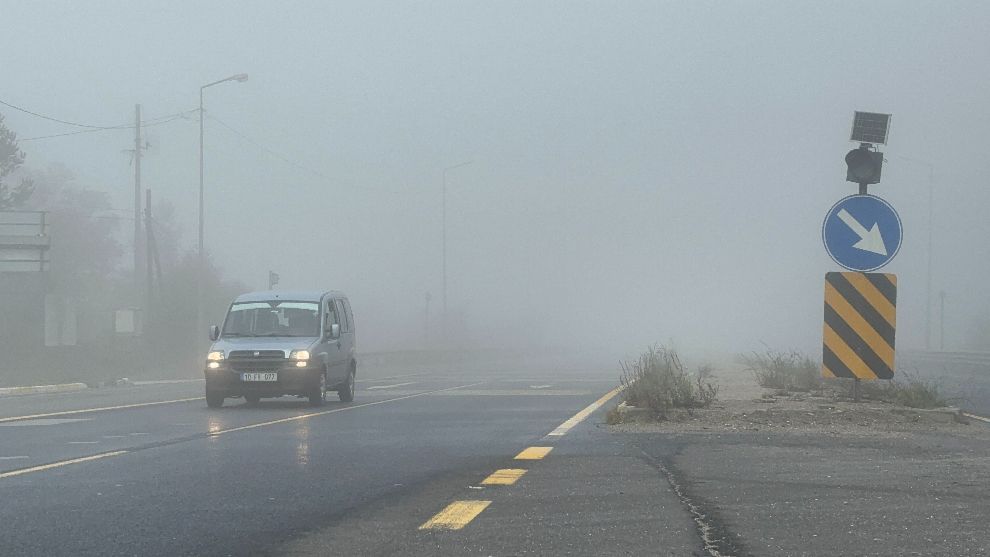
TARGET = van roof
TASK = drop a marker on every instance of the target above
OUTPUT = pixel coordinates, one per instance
(294, 295)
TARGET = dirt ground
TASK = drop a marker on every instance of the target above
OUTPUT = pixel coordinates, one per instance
(743, 405)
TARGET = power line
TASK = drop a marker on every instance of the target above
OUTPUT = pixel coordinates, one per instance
(275, 154)
(144, 124)
(53, 119)
(284, 158)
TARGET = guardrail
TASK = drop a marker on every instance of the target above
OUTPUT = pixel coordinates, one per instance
(957, 357)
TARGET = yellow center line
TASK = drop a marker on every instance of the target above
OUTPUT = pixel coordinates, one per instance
(456, 515)
(505, 476)
(60, 464)
(101, 409)
(563, 428)
(534, 453)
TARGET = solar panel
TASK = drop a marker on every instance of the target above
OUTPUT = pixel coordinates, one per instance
(870, 127)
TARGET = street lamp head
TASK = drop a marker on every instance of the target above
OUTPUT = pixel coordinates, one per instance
(242, 77)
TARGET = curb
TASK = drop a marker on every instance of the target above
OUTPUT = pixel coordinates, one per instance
(41, 389)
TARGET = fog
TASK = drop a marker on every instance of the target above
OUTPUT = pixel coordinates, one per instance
(639, 171)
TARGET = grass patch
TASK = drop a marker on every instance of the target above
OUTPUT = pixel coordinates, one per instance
(786, 371)
(911, 392)
(659, 382)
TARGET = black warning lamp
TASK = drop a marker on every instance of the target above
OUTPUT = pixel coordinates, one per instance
(864, 165)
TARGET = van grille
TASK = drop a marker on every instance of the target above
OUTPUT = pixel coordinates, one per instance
(257, 354)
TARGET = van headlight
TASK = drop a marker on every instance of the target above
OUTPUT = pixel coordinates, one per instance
(300, 356)
(214, 358)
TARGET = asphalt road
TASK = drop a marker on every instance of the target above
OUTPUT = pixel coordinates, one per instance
(502, 459)
(150, 470)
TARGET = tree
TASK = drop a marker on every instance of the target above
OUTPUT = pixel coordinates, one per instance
(11, 158)
(86, 252)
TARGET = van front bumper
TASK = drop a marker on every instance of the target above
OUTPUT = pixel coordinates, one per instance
(291, 380)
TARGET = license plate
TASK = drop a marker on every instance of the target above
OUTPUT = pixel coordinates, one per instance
(266, 376)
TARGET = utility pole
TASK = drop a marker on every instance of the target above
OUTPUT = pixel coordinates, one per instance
(150, 248)
(137, 203)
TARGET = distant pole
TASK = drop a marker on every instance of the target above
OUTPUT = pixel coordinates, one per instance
(443, 264)
(426, 322)
(941, 321)
(137, 202)
(928, 289)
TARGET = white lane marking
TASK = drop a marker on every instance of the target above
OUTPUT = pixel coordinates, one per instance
(102, 409)
(540, 386)
(390, 378)
(390, 386)
(141, 433)
(976, 417)
(43, 467)
(563, 428)
(222, 431)
(335, 410)
(114, 436)
(167, 382)
(19, 457)
(83, 442)
(50, 421)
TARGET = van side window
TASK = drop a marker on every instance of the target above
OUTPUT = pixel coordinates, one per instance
(332, 316)
(350, 316)
(345, 326)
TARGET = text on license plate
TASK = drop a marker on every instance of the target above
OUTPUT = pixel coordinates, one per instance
(266, 376)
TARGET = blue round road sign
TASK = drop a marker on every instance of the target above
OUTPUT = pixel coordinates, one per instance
(862, 233)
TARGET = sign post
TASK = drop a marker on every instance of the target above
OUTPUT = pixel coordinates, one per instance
(861, 233)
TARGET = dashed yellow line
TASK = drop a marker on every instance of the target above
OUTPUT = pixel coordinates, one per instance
(534, 453)
(977, 417)
(505, 476)
(563, 428)
(60, 464)
(456, 515)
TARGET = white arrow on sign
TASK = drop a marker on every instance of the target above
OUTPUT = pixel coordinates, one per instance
(869, 240)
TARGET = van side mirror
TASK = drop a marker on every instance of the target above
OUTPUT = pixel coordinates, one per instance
(214, 332)
(335, 331)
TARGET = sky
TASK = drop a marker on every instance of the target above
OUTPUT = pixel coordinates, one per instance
(639, 171)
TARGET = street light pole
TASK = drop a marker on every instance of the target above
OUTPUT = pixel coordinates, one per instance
(928, 272)
(201, 263)
(443, 264)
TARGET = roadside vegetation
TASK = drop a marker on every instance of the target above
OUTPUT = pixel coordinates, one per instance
(796, 372)
(785, 371)
(909, 391)
(659, 383)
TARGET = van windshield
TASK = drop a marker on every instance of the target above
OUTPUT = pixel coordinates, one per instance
(276, 318)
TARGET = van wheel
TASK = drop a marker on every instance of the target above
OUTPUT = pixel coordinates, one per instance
(346, 391)
(252, 400)
(214, 400)
(319, 396)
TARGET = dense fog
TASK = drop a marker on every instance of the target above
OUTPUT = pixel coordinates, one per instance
(639, 171)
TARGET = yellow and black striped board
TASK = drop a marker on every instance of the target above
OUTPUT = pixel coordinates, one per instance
(860, 321)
